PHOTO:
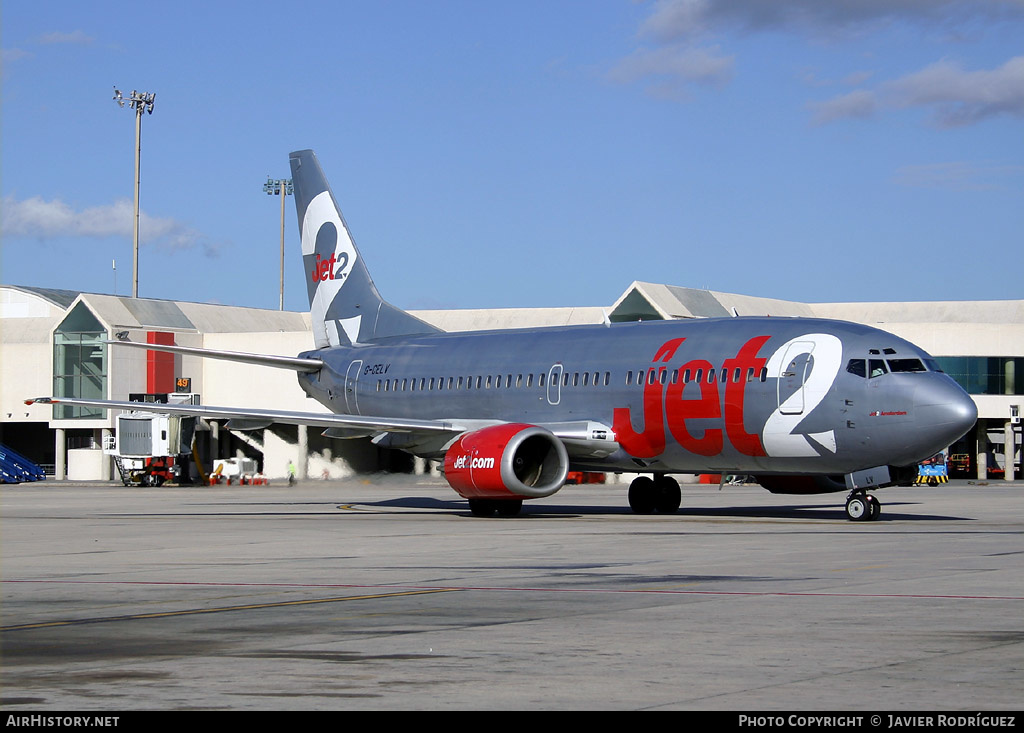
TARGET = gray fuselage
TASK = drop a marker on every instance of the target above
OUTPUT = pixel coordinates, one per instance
(742, 395)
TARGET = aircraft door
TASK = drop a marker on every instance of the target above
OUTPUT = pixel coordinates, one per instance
(796, 365)
(351, 382)
(555, 384)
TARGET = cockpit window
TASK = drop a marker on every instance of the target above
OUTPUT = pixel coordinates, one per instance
(933, 366)
(906, 365)
(858, 367)
(876, 368)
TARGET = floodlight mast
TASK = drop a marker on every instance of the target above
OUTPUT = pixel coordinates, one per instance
(281, 187)
(139, 101)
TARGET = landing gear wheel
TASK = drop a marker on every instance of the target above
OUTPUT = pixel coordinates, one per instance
(490, 507)
(668, 497)
(643, 495)
(509, 508)
(875, 506)
(858, 509)
(482, 507)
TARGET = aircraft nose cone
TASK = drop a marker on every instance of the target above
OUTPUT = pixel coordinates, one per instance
(944, 410)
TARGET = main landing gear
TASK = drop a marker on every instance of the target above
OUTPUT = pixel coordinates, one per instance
(660, 494)
(862, 506)
(490, 507)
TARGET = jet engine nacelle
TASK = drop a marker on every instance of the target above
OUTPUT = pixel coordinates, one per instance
(512, 461)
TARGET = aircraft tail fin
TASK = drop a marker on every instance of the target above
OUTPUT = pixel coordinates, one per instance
(344, 304)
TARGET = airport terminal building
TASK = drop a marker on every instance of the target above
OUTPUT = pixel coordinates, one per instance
(54, 342)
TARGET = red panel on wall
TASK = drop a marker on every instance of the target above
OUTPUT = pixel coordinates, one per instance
(159, 364)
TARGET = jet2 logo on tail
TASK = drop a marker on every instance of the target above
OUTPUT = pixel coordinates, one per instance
(329, 256)
(324, 268)
(318, 242)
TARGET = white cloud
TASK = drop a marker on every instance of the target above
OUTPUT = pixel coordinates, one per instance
(10, 55)
(958, 176)
(43, 220)
(679, 52)
(956, 97)
(857, 104)
(675, 19)
(670, 69)
(76, 37)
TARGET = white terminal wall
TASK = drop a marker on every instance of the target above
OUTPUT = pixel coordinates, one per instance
(983, 328)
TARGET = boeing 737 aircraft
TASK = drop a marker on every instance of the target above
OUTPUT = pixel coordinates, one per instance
(805, 405)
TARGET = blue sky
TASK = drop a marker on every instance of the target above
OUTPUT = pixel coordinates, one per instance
(526, 153)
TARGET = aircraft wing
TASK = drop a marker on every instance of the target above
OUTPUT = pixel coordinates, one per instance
(258, 416)
(582, 439)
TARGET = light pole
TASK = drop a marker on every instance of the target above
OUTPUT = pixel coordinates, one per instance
(280, 187)
(138, 101)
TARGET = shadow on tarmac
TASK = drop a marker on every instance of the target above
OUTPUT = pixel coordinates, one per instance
(792, 511)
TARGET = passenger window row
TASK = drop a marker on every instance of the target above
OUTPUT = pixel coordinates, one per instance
(866, 368)
(498, 381)
(662, 375)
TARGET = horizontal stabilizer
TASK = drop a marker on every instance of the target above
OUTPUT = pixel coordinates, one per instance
(295, 363)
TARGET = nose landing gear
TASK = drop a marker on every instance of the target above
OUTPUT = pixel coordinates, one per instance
(862, 506)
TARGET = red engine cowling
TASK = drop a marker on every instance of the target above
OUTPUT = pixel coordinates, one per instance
(512, 461)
